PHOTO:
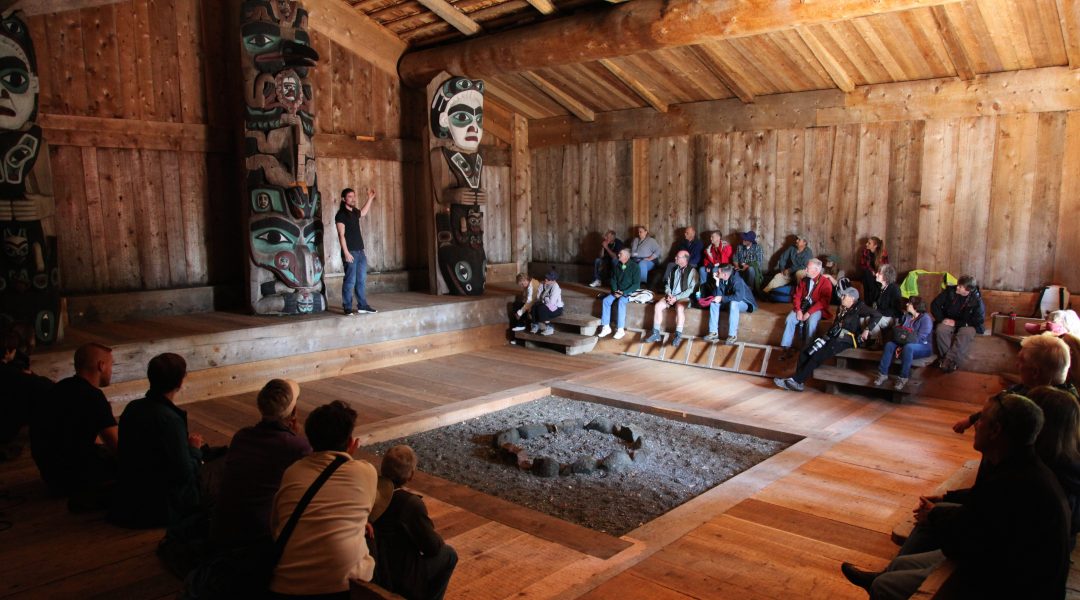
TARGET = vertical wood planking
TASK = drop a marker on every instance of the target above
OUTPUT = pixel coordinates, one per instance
(841, 238)
(191, 198)
(173, 212)
(875, 144)
(144, 63)
(163, 59)
(1011, 201)
(1066, 266)
(189, 46)
(520, 193)
(817, 162)
(938, 194)
(75, 241)
(125, 266)
(905, 194)
(94, 219)
(1042, 239)
(975, 162)
(101, 62)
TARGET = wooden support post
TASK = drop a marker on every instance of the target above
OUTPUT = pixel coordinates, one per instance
(639, 165)
(520, 170)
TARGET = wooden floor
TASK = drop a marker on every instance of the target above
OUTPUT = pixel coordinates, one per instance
(781, 534)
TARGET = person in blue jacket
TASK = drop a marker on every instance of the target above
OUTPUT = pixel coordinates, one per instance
(725, 291)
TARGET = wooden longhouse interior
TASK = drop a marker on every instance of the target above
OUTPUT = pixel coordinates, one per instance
(950, 129)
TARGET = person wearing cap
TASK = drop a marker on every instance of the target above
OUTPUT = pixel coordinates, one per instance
(645, 251)
(748, 260)
(258, 456)
(548, 306)
(327, 549)
(680, 284)
(792, 264)
(810, 303)
(846, 332)
(413, 560)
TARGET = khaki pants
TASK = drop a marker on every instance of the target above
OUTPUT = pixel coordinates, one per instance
(953, 342)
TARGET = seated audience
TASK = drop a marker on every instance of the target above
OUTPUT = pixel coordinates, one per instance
(959, 313)
(1073, 342)
(690, 244)
(1058, 445)
(413, 560)
(159, 461)
(22, 391)
(717, 253)
(678, 287)
(846, 332)
(749, 260)
(625, 280)
(810, 303)
(921, 325)
(66, 425)
(725, 291)
(792, 263)
(257, 458)
(1008, 535)
(548, 305)
(871, 260)
(644, 251)
(327, 549)
(530, 291)
(1042, 360)
(609, 255)
(837, 276)
(889, 303)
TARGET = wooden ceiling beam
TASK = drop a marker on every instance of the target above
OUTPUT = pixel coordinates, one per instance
(1069, 17)
(631, 82)
(829, 62)
(953, 46)
(356, 32)
(556, 93)
(718, 67)
(452, 15)
(544, 6)
(41, 7)
(630, 28)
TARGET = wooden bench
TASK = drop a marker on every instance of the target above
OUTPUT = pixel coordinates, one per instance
(875, 357)
(832, 376)
(586, 324)
(570, 343)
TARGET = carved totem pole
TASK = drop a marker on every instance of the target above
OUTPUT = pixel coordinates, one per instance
(281, 193)
(29, 276)
(457, 125)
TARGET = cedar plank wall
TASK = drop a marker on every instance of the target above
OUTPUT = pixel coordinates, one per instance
(993, 196)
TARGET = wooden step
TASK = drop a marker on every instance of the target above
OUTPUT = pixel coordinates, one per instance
(836, 375)
(875, 356)
(571, 343)
(586, 323)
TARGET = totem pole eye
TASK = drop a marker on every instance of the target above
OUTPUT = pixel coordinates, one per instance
(13, 27)
(461, 118)
(16, 81)
(273, 239)
(260, 42)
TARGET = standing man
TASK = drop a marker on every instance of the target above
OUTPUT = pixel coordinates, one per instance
(352, 250)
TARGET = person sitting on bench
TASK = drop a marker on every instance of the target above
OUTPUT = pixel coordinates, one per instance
(609, 257)
(549, 304)
(846, 332)
(691, 244)
(810, 304)
(717, 253)
(889, 303)
(625, 280)
(678, 287)
(411, 557)
(530, 291)
(793, 262)
(921, 326)
(726, 291)
(959, 313)
(644, 251)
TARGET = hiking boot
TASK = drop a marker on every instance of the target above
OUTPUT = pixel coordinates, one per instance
(606, 331)
(859, 577)
(900, 383)
(620, 333)
(675, 341)
(712, 337)
(655, 337)
(595, 283)
(880, 379)
(732, 340)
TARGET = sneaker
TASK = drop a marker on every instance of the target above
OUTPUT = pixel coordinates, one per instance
(793, 385)
(731, 341)
(367, 308)
(349, 312)
(548, 330)
(712, 337)
(606, 331)
(655, 337)
(535, 328)
(859, 577)
(900, 383)
(620, 333)
(675, 341)
(880, 379)
(518, 328)
(595, 283)
(780, 382)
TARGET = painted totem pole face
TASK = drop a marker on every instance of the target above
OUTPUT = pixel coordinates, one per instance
(457, 112)
(284, 238)
(18, 81)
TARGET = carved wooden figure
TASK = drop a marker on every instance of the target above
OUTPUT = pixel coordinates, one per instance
(456, 166)
(281, 188)
(29, 275)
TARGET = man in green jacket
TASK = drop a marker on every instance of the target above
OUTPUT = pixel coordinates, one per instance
(625, 280)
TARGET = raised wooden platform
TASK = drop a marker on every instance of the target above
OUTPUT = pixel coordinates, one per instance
(570, 343)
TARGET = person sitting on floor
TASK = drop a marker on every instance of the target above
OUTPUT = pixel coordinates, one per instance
(921, 325)
(810, 304)
(257, 458)
(412, 558)
(22, 391)
(609, 256)
(327, 548)
(158, 481)
(548, 306)
(1042, 360)
(846, 332)
(530, 291)
(644, 251)
(726, 291)
(678, 287)
(625, 280)
(959, 313)
(1009, 538)
(65, 426)
(889, 303)
(717, 253)
(690, 244)
(872, 258)
(792, 264)
(749, 258)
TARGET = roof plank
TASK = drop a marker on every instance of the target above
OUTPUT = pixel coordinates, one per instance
(452, 15)
(639, 88)
(575, 106)
(827, 60)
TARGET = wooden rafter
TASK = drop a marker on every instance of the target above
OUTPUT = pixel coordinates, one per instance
(959, 56)
(357, 32)
(41, 7)
(556, 93)
(631, 28)
(544, 6)
(632, 82)
(831, 65)
(452, 15)
(717, 66)
(1069, 17)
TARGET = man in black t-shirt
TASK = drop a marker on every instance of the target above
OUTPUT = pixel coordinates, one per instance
(66, 424)
(353, 258)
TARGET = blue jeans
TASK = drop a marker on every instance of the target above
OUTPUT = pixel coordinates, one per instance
(734, 308)
(598, 266)
(605, 314)
(355, 281)
(908, 353)
(645, 266)
(789, 327)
